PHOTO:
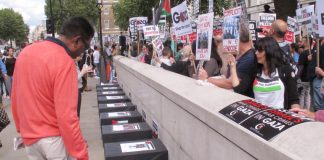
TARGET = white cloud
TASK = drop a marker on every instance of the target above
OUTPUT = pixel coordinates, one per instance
(32, 11)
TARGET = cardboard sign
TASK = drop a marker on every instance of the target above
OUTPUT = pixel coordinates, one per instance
(112, 105)
(320, 16)
(231, 29)
(137, 146)
(118, 114)
(252, 29)
(158, 45)
(126, 127)
(304, 15)
(262, 120)
(265, 21)
(150, 31)
(180, 19)
(204, 35)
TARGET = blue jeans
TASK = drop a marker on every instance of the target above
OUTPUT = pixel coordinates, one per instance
(318, 97)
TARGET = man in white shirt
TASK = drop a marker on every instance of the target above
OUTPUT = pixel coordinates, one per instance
(96, 57)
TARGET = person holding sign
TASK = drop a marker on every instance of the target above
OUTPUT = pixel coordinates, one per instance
(317, 116)
(274, 83)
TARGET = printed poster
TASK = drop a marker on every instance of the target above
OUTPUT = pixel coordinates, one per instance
(204, 35)
(218, 27)
(231, 29)
(304, 15)
(150, 31)
(265, 21)
(137, 146)
(158, 45)
(320, 17)
(290, 34)
(135, 24)
(252, 29)
(180, 19)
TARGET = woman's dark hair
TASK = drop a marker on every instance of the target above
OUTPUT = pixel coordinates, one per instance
(294, 46)
(273, 54)
(214, 54)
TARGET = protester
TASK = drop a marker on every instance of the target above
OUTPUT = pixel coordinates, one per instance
(317, 116)
(3, 77)
(294, 51)
(122, 43)
(274, 84)
(245, 61)
(267, 9)
(96, 60)
(45, 94)
(9, 61)
(165, 58)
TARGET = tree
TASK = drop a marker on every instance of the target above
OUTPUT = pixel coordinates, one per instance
(12, 26)
(65, 9)
(125, 9)
(285, 8)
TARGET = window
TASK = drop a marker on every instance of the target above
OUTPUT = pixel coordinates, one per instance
(106, 24)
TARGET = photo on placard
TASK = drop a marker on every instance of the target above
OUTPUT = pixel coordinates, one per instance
(203, 40)
(231, 27)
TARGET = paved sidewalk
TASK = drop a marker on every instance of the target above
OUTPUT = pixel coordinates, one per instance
(89, 124)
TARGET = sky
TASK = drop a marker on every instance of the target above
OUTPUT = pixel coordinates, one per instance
(32, 11)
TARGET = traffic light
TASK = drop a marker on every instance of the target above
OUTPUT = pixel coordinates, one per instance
(49, 26)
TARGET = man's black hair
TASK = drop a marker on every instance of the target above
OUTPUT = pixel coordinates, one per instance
(77, 26)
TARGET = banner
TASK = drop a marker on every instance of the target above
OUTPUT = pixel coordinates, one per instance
(252, 29)
(135, 24)
(304, 15)
(180, 18)
(290, 34)
(265, 21)
(231, 29)
(158, 45)
(150, 31)
(205, 35)
(320, 16)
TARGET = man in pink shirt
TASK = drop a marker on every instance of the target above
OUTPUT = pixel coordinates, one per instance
(45, 94)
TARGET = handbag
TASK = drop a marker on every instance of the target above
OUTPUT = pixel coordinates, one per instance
(4, 119)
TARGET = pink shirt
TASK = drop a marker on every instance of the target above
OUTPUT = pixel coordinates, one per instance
(45, 95)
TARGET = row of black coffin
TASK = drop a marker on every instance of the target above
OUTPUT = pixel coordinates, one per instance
(125, 135)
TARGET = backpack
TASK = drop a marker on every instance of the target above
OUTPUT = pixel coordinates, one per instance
(287, 57)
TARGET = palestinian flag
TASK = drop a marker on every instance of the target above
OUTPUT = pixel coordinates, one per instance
(166, 10)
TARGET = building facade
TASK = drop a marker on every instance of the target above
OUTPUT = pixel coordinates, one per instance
(254, 7)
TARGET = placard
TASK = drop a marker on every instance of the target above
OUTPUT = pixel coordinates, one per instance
(218, 27)
(135, 24)
(252, 29)
(126, 127)
(118, 114)
(320, 16)
(114, 97)
(304, 15)
(150, 31)
(262, 120)
(113, 105)
(205, 35)
(210, 6)
(290, 34)
(158, 45)
(265, 21)
(231, 29)
(180, 19)
(137, 146)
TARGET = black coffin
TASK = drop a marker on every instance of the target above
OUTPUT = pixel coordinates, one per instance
(125, 132)
(150, 149)
(111, 93)
(116, 107)
(108, 118)
(112, 99)
(100, 89)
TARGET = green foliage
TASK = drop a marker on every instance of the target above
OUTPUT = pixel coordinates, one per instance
(65, 9)
(125, 9)
(12, 26)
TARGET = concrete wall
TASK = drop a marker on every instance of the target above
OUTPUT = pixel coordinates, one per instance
(191, 127)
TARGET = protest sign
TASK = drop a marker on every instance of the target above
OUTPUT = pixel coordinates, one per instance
(320, 16)
(315, 30)
(218, 27)
(231, 29)
(265, 21)
(204, 34)
(252, 29)
(135, 24)
(161, 25)
(158, 45)
(150, 31)
(181, 21)
(210, 5)
(196, 6)
(290, 34)
(304, 15)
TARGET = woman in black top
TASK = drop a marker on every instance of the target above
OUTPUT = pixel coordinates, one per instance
(9, 61)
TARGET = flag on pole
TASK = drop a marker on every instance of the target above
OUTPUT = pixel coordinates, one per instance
(166, 10)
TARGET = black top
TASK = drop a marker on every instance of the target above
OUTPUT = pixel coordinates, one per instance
(180, 67)
(10, 65)
(303, 65)
(312, 64)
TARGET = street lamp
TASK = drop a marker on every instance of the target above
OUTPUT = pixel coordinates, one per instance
(102, 57)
